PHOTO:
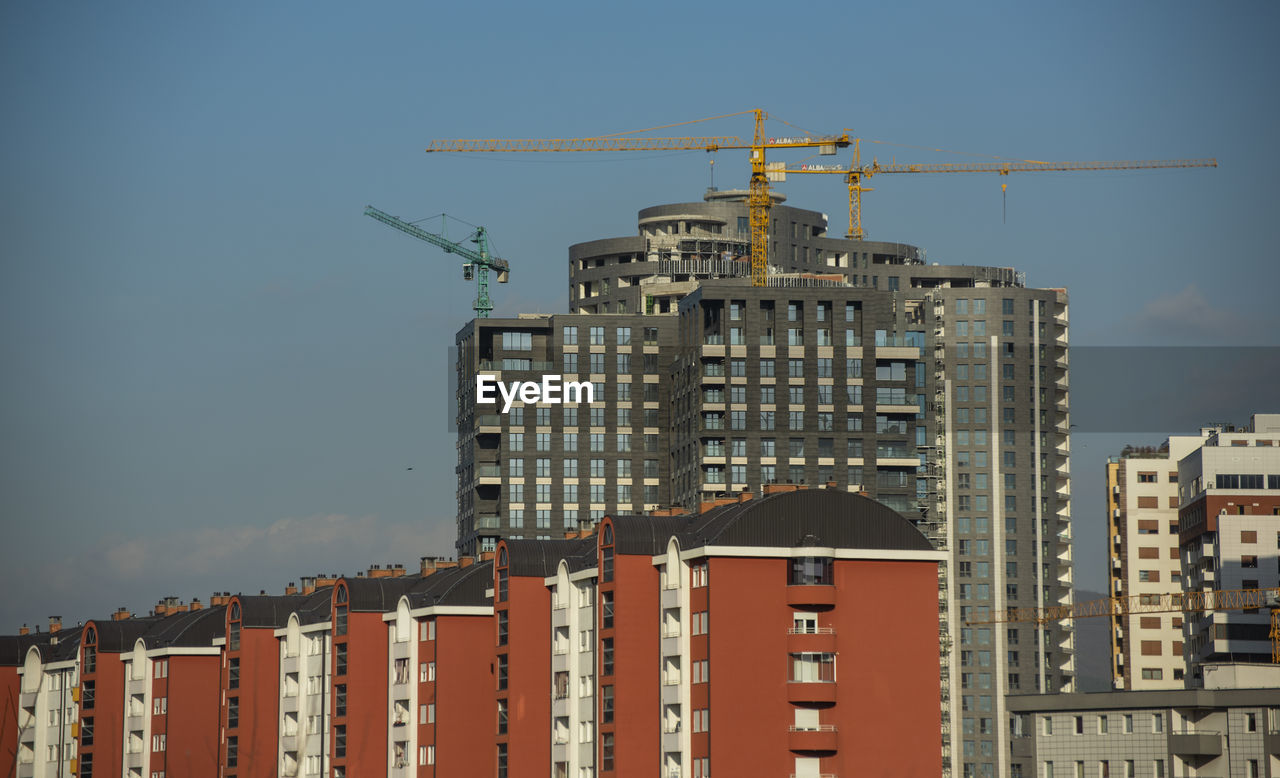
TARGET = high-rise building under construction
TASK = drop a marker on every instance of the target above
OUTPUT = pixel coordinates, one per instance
(939, 390)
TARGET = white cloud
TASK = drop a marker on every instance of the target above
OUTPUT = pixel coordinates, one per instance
(1187, 318)
(137, 571)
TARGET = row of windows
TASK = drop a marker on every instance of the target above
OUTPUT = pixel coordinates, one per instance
(570, 493)
(598, 468)
(596, 416)
(597, 441)
(596, 334)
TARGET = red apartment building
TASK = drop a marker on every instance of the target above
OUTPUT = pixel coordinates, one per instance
(789, 635)
(250, 681)
(521, 653)
(442, 638)
(359, 728)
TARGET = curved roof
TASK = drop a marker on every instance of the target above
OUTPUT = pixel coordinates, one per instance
(541, 557)
(453, 586)
(257, 610)
(192, 628)
(13, 648)
(315, 607)
(585, 559)
(646, 535)
(116, 637)
(66, 646)
(830, 518)
(376, 595)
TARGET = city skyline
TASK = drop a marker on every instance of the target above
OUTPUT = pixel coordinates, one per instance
(220, 374)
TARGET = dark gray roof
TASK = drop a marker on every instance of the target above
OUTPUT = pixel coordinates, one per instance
(376, 595)
(541, 557)
(192, 628)
(257, 610)
(316, 607)
(66, 647)
(453, 586)
(808, 517)
(13, 648)
(115, 637)
(646, 535)
(584, 560)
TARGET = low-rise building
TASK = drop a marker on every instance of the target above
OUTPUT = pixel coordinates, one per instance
(1163, 733)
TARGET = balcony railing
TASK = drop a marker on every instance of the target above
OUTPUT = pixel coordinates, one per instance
(817, 728)
(811, 631)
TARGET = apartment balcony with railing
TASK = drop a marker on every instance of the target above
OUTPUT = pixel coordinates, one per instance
(818, 737)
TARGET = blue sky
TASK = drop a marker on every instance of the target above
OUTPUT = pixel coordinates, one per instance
(216, 371)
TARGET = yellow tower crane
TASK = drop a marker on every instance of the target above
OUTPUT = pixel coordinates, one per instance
(764, 172)
(1193, 602)
(758, 202)
(857, 172)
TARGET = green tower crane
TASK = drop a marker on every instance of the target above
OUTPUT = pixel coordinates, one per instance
(476, 263)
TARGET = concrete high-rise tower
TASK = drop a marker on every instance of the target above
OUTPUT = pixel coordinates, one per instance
(940, 390)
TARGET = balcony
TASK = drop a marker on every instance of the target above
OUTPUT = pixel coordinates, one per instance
(815, 594)
(489, 474)
(818, 640)
(824, 737)
(1022, 747)
(1196, 744)
(811, 691)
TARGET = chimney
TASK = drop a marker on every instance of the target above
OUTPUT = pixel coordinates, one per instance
(706, 506)
(780, 488)
(195, 604)
(291, 589)
(396, 570)
(466, 561)
(487, 556)
(443, 563)
(326, 579)
(121, 614)
(308, 584)
(377, 571)
(24, 630)
(55, 624)
(745, 496)
(427, 565)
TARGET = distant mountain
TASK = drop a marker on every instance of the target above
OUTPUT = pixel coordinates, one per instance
(1093, 648)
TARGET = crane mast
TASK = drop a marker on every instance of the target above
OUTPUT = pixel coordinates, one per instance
(477, 259)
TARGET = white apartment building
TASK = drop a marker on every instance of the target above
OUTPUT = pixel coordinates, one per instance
(1142, 518)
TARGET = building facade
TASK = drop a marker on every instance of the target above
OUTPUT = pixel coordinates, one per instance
(941, 390)
(1229, 531)
(1149, 734)
(1142, 545)
(39, 727)
(537, 471)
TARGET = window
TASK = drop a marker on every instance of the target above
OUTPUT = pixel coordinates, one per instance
(813, 668)
(810, 571)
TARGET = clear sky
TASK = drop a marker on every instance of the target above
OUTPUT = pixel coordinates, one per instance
(215, 373)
